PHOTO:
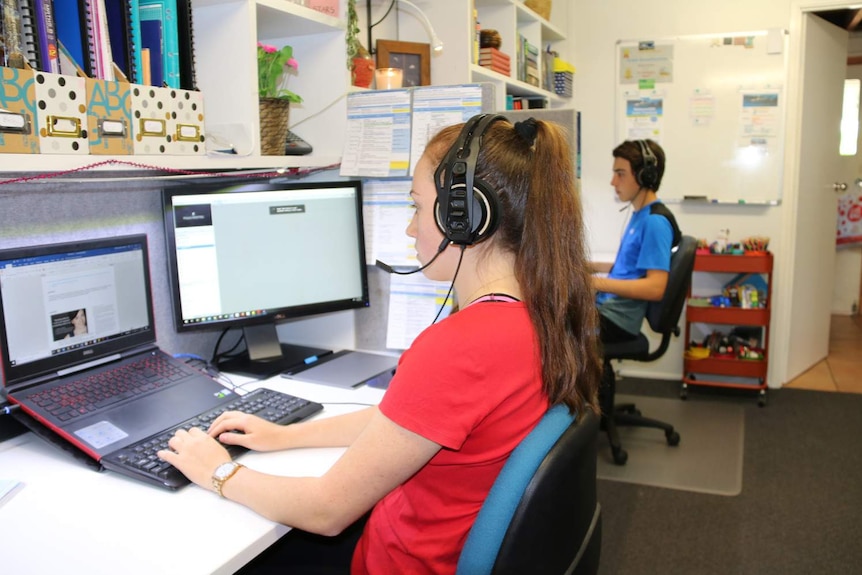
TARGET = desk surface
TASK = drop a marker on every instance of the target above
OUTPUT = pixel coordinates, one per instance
(70, 519)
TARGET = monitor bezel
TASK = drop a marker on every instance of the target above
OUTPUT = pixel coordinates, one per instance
(278, 315)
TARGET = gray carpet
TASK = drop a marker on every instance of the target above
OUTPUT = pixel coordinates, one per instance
(798, 513)
(708, 458)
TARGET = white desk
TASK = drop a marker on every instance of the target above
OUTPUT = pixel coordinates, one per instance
(70, 519)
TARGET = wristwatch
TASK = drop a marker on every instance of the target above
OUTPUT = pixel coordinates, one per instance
(224, 472)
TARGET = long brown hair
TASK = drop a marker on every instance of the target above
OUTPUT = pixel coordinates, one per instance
(541, 222)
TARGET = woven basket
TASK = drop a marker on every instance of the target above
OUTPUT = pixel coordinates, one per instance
(540, 7)
(274, 116)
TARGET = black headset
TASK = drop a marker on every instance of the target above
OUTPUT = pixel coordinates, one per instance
(467, 209)
(647, 176)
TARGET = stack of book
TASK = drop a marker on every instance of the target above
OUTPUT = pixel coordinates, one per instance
(495, 60)
(564, 75)
(531, 57)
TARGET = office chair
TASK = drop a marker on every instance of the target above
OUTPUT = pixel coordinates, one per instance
(541, 514)
(663, 318)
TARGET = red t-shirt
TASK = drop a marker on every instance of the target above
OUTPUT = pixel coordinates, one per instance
(471, 383)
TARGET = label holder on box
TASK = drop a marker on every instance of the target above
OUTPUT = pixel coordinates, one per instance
(64, 127)
(15, 122)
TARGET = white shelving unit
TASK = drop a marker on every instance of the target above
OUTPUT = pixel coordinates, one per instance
(511, 19)
(226, 35)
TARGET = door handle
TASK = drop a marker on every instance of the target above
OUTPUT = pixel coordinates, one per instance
(839, 186)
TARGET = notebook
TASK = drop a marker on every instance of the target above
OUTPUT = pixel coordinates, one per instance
(75, 310)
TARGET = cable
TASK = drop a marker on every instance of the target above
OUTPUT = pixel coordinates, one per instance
(322, 110)
(451, 286)
(8, 409)
(388, 10)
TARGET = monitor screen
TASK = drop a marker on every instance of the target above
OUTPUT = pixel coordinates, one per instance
(251, 255)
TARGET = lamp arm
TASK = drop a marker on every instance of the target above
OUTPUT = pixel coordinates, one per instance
(436, 43)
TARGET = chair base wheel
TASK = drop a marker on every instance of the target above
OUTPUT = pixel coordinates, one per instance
(620, 456)
(672, 438)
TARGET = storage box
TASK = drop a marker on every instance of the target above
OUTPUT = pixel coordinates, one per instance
(109, 117)
(61, 119)
(186, 126)
(151, 114)
(328, 7)
(18, 115)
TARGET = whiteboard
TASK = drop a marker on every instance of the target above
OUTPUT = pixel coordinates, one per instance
(716, 104)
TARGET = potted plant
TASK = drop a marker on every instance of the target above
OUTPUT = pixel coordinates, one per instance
(359, 61)
(273, 66)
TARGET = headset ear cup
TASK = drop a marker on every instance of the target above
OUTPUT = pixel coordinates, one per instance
(486, 210)
(647, 177)
(486, 204)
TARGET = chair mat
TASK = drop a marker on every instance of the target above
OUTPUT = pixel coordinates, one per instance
(708, 458)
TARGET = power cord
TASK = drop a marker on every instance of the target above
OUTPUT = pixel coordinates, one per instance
(8, 409)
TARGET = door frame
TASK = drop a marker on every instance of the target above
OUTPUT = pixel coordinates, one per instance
(783, 289)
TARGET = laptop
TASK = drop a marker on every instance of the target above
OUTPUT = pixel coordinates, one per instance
(83, 310)
(348, 369)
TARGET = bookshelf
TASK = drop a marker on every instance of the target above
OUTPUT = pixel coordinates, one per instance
(226, 33)
(511, 19)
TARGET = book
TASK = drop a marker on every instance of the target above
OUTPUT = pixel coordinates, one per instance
(185, 35)
(151, 40)
(70, 19)
(492, 52)
(98, 40)
(28, 34)
(494, 60)
(165, 12)
(10, 35)
(47, 34)
(504, 70)
(125, 49)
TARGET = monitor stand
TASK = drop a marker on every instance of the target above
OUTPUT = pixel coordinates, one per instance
(266, 356)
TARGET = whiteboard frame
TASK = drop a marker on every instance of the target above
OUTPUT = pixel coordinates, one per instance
(658, 90)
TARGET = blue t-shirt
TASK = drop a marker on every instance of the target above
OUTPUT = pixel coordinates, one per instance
(646, 245)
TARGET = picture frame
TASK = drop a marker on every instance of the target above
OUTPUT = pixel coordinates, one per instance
(414, 58)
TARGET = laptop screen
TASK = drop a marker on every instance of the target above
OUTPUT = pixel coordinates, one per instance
(66, 304)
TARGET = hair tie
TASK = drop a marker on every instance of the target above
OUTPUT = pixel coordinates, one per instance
(526, 130)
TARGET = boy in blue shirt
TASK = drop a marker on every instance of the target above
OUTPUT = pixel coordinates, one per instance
(640, 271)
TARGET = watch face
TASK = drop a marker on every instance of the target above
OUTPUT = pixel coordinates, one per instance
(223, 469)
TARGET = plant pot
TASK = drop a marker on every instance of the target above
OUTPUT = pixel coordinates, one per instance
(274, 116)
(363, 72)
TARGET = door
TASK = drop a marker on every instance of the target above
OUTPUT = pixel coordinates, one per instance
(823, 71)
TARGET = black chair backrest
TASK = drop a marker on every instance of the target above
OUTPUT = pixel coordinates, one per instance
(663, 315)
(557, 524)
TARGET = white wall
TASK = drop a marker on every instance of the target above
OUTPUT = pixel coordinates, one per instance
(595, 28)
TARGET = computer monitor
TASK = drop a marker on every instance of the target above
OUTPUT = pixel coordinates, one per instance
(251, 255)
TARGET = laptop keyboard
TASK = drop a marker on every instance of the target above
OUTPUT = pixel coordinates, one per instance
(141, 459)
(91, 392)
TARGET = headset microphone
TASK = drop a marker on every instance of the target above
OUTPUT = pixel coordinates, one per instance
(631, 201)
(389, 269)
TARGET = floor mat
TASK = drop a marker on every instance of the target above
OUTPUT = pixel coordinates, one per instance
(708, 458)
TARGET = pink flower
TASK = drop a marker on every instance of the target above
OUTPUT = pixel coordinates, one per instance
(293, 64)
(267, 48)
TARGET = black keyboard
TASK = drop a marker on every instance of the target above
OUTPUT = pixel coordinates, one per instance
(140, 460)
(111, 385)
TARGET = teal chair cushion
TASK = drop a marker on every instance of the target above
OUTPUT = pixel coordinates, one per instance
(485, 537)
